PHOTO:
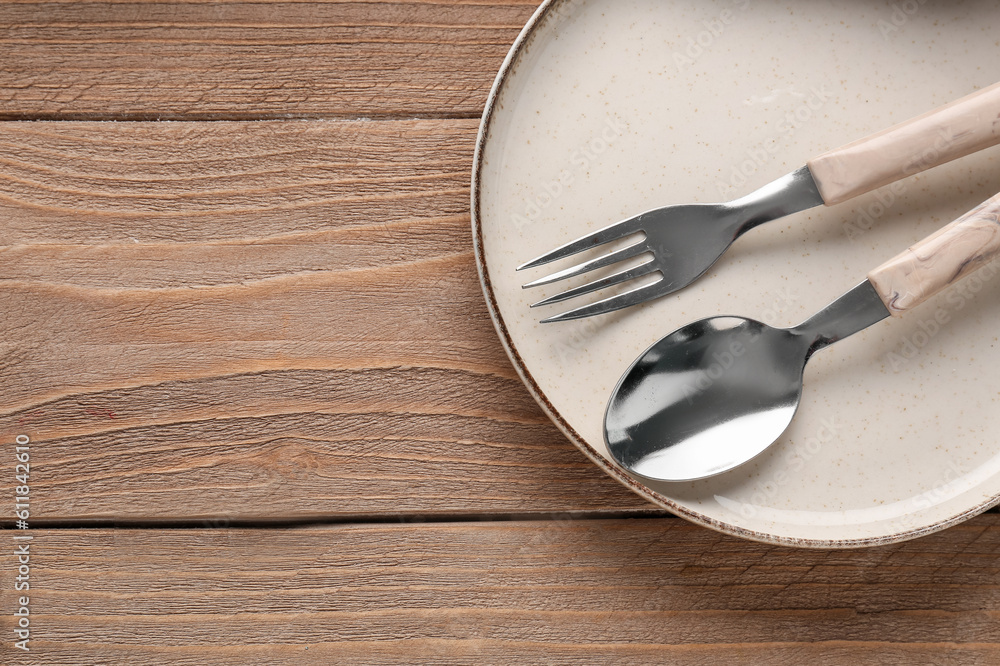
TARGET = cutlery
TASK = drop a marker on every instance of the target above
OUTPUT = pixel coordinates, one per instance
(685, 241)
(714, 394)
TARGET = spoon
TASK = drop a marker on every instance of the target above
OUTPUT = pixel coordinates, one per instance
(714, 394)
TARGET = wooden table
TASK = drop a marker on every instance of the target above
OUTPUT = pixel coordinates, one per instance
(269, 418)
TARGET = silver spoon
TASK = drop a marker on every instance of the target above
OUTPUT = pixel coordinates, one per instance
(716, 393)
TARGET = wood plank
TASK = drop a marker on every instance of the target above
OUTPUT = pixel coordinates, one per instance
(563, 592)
(261, 321)
(251, 60)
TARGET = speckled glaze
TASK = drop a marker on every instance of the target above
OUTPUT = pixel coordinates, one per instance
(609, 107)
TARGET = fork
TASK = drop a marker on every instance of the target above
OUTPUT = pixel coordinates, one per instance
(681, 243)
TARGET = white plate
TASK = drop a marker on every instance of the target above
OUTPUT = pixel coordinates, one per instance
(605, 108)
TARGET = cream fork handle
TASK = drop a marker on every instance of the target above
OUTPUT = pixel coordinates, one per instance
(940, 260)
(958, 129)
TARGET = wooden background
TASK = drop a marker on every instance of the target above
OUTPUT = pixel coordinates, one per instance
(271, 421)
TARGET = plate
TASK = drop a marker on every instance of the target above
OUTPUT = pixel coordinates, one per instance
(606, 108)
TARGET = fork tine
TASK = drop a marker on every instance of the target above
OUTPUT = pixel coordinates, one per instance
(617, 302)
(599, 237)
(629, 252)
(611, 280)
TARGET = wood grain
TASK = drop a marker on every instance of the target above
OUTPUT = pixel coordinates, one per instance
(252, 60)
(261, 321)
(207, 323)
(559, 592)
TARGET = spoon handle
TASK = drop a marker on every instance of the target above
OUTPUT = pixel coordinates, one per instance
(941, 259)
(955, 130)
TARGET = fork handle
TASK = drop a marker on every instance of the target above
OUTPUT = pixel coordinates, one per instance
(955, 130)
(940, 260)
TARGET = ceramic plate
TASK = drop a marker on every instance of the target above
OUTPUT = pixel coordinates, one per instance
(606, 108)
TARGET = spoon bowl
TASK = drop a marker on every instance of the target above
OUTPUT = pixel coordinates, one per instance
(716, 393)
(706, 398)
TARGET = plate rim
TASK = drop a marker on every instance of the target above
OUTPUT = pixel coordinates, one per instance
(506, 69)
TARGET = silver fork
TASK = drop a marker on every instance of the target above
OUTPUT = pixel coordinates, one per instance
(685, 241)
